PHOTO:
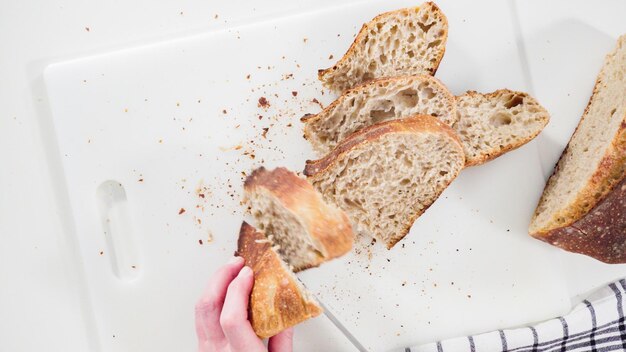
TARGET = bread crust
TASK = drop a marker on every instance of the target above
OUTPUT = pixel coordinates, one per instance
(277, 301)
(328, 225)
(511, 146)
(600, 234)
(381, 18)
(418, 123)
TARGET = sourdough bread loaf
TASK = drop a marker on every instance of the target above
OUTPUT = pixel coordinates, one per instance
(582, 206)
(402, 42)
(388, 174)
(377, 101)
(278, 300)
(306, 230)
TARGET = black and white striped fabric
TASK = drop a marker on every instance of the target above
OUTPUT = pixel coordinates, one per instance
(596, 324)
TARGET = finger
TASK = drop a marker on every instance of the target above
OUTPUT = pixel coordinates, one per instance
(234, 318)
(282, 342)
(209, 307)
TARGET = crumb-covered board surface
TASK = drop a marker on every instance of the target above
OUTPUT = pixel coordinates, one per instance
(156, 141)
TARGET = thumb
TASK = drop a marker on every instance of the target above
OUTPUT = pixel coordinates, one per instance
(283, 342)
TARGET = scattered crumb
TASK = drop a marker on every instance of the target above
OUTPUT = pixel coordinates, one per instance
(294, 93)
(264, 134)
(133, 266)
(182, 210)
(200, 241)
(263, 103)
(125, 109)
(248, 76)
(101, 252)
(87, 29)
(224, 112)
(177, 104)
(305, 40)
(216, 16)
(315, 101)
(330, 57)
(140, 180)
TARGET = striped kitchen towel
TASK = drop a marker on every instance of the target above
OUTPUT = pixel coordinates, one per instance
(596, 324)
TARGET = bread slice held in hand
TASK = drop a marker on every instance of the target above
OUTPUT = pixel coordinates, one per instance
(402, 42)
(388, 174)
(583, 206)
(306, 229)
(492, 124)
(278, 300)
(377, 101)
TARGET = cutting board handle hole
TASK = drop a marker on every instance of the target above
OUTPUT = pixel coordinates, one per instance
(117, 229)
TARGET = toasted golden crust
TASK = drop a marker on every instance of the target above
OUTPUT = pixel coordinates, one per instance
(601, 233)
(508, 147)
(277, 301)
(417, 123)
(323, 73)
(328, 226)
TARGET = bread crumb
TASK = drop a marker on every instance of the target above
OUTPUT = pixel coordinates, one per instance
(181, 211)
(294, 93)
(263, 103)
(330, 57)
(315, 101)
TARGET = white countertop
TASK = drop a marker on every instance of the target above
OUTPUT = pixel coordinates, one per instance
(40, 300)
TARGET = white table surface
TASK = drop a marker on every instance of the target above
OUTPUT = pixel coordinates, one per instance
(40, 303)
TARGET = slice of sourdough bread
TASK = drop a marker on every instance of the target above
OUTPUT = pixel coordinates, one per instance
(376, 101)
(590, 174)
(306, 229)
(278, 300)
(490, 125)
(388, 174)
(406, 41)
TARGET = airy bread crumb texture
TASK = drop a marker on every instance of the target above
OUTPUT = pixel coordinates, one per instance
(377, 101)
(492, 124)
(596, 133)
(406, 41)
(387, 184)
(294, 244)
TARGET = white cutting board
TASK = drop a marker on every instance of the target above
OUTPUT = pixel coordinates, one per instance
(173, 120)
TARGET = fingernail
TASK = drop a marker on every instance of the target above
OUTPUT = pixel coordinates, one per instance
(246, 271)
(235, 260)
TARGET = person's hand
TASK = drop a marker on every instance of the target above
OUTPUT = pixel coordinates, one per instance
(222, 314)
